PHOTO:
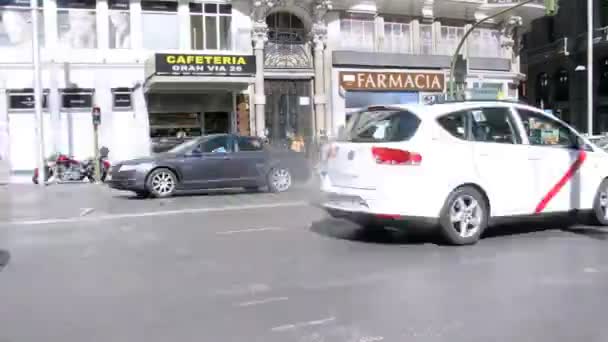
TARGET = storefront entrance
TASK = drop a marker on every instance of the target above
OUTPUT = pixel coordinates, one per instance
(289, 119)
(176, 118)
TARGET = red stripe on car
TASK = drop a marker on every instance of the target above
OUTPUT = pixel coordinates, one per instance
(559, 185)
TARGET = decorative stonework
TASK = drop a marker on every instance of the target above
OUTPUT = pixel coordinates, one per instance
(319, 36)
(509, 35)
(259, 34)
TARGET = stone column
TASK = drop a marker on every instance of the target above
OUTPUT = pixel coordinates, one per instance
(319, 37)
(259, 36)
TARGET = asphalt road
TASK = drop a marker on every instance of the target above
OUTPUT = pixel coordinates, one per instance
(281, 271)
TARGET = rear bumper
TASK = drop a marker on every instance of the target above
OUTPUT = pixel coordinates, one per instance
(366, 213)
(413, 198)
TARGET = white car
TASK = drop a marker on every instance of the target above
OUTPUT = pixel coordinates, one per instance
(461, 166)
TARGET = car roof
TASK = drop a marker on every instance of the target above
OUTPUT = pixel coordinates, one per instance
(438, 109)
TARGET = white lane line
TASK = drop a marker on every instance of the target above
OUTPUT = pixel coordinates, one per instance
(252, 230)
(155, 213)
(302, 324)
(262, 301)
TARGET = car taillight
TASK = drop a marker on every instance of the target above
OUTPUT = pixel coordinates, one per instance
(393, 156)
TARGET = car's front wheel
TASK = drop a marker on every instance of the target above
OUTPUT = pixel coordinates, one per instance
(464, 216)
(161, 183)
(279, 179)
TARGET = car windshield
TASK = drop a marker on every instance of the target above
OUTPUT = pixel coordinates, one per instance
(186, 146)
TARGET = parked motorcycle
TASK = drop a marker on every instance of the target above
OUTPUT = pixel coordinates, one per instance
(63, 168)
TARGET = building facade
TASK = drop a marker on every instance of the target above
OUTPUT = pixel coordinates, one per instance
(554, 59)
(290, 70)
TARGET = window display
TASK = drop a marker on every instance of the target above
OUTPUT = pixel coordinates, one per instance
(120, 26)
(77, 24)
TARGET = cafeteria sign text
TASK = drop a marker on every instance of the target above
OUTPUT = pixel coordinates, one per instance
(194, 65)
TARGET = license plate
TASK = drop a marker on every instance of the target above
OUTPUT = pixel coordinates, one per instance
(346, 201)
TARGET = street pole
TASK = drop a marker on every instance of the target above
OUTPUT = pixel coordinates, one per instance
(38, 93)
(466, 35)
(96, 157)
(590, 67)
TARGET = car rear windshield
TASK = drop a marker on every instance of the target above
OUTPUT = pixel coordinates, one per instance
(380, 126)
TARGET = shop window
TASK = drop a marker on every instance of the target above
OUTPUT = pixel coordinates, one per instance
(160, 23)
(397, 36)
(121, 99)
(77, 24)
(211, 26)
(76, 98)
(562, 91)
(357, 32)
(16, 24)
(23, 99)
(120, 25)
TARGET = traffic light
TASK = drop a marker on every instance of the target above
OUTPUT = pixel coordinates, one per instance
(551, 7)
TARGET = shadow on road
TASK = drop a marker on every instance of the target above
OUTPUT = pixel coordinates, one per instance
(344, 230)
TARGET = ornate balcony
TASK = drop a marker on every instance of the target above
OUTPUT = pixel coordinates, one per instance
(287, 49)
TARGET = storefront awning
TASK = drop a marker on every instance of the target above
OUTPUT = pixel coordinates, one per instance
(168, 84)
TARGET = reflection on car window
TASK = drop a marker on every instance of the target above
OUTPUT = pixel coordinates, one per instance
(493, 125)
(249, 144)
(216, 145)
(454, 123)
(543, 131)
(381, 126)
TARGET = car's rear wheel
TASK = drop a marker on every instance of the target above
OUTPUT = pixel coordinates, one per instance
(279, 179)
(464, 216)
(161, 183)
(600, 205)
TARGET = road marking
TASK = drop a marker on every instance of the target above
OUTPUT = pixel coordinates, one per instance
(252, 230)
(262, 301)
(302, 324)
(86, 211)
(155, 213)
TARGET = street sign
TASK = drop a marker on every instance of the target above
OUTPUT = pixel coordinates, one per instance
(96, 113)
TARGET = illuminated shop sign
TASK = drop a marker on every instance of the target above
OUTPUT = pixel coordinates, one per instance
(201, 65)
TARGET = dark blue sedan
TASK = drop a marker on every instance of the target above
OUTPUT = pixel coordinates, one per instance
(212, 162)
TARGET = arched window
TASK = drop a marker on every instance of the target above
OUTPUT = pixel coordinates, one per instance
(285, 28)
(562, 90)
(542, 90)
